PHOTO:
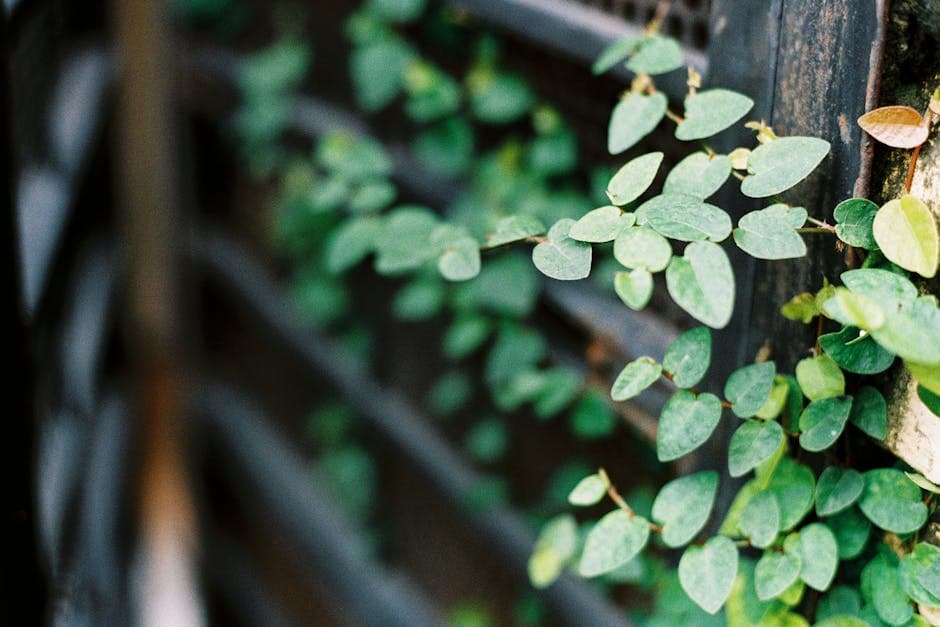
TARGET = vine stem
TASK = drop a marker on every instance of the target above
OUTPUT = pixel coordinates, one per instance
(928, 120)
(818, 229)
(614, 495)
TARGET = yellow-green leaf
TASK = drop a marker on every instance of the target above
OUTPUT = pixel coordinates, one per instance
(906, 231)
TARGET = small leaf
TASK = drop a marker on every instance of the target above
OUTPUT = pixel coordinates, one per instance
(778, 165)
(555, 546)
(752, 444)
(928, 377)
(638, 375)
(460, 260)
(854, 310)
(593, 418)
(465, 335)
(820, 377)
(710, 112)
(600, 225)
(634, 288)
(702, 283)
(683, 506)
(929, 577)
(500, 99)
(351, 242)
(656, 55)
(914, 332)
(870, 412)
(561, 257)
(641, 247)
(589, 490)
(699, 175)
(916, 568)
(685, 218)
(514, 229)
(707, 572)
(855, 353)
(634, 178)
(404, 243)
(760, 520)
(837, 489)
(823, 421)
(817, 547)
(892, 502)
(851, 529)
(794, 486)
(896, 126)
(612, 542)
(775, 572)
(906, 231)
(615, 53)
(634, 117)
(891, 602)
(922, 482)
(886, 288)
(768, 234)
(688, 357)
(749, 387)
(685, 423)
(801, 308)
(854, 219)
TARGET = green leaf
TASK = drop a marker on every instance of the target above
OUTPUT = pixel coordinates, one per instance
(592, 418)
(760, 520)
(906, 231)
(556, 545)
(351, 242)
(930, 400)
(419, 300)
(612, 542)
(794, 485)
(638, 375)
(854, 310)
(589, 490)
(397, 10)
(684, 218)
(372, 196)
(856, 353)
(870, 412)
(656, 55)
(711, 111)
(634, 178)
(776, 402)
(820, 377)
(615, 53)
(561, 257)
(753, 443)
(916, 568)
(914, 332)
(460, 259)
(446, 148)
(404, 243)
(500, 99)
(922, 482)
(634, 288)
(559, 388)
(683, 506)
(515, 350)
(702, 283)
(508, 285)
(817, 547)
(641, 247)
(769, 233)
(775, 572)
(851, 529)
(707, 572)
(601, 225)
(928, 377)
(465, 335)
(514, 229)
(487, 440)
(892, 502)
(634, 117)
(886, 288)
(685, 423)
(929, 576)
(839, 603)
(801, 308)
(854, 219)
(837, 489)
(376, 71)
(688, 357)
(782, 163)
(699, 175)
(823, 421)
(891, 603)
(749, 387)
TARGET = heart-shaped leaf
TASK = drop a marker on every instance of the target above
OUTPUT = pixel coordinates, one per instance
(683, 506)
(561, 257)
(914, 332)
(870, 412)
(699, 175)
(820, 377)
(405, 241)
(634, 288)
(634, 178)
(600, 225)
(823, 421)
(837, 489)
(702, 283)
(774, 573)
(906, 231)
(612, 542)
(685, 423)
(851, 529)
(688, 357)
(634, 117)
(816, 545)
(880, 578)
(854, 218)
(514, 229)
(555, 546)
(615, 53)
(854, 353)
(710, 112)
(886, 288)
(753, 443)
(916, 568)
(589, 490)
(685, 218)
(460, 253)
(642, 247)
(892, 502)
(656, 55)
(749, 387)
(782, 163)
(707, 572)
(760, 520)
(896, 126)
(769, 234)
(854, 310)
(638, 375)
(794, 486)
(351, 242)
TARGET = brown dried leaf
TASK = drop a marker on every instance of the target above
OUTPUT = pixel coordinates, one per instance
(896, 126)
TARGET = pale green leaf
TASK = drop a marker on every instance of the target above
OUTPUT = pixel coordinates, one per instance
(711, 111)
(769, 233)
(880, 577)
(634, 178)
(641, 247)
(820, 377)
(656, 54)
(615, 53)
(638, 375)
(906, 231)
(634, 117)
(760, 520)
(601, 225)
(854, 219)
(817, 547)
(589, 490)
(634, 288)
(837, 489)
(886, 288)
(561, 257)
(556, 545)
(685, 423)
(702, 283)
(688, 357)
(753, 443)
(823, 421)
(851, 529)
(404, 243)
(794, 486)
(612, 542)
(780, 164)
(775, 572)
(749, 387)
(914, 332)
(514, 229)
(854, 309)
(683, 506)
(351, 242)
(920, 566)
(892, 502)
(699, 175)
(684, 218)
(707, 572)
